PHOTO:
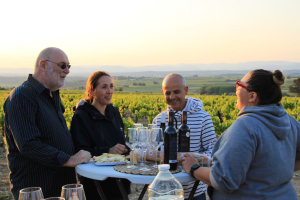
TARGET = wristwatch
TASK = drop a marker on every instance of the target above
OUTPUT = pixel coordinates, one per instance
(193, 168)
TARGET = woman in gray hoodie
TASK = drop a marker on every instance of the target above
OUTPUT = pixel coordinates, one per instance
(255, 157)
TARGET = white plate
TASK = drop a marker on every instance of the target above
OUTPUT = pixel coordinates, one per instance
(109, 163)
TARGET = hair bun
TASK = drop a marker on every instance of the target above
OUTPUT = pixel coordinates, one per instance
(278, 77)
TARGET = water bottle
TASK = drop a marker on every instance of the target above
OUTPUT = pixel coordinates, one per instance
(165, 186)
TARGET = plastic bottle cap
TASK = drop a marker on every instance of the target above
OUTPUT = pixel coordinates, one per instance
(164, 167)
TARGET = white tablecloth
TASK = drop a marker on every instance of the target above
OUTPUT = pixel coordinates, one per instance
(92, 171)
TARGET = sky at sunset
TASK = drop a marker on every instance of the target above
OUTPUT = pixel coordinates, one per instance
(155, 32)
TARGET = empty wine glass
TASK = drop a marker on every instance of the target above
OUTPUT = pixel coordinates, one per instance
(131, 140)
(157, 139)
(138, 125)
(31, 193)
(150, 126)
(143, 135)
(73, 192)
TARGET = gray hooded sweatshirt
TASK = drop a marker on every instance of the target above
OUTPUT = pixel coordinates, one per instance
(255, 156)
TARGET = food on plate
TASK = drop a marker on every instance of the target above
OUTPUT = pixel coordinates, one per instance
(109, 158)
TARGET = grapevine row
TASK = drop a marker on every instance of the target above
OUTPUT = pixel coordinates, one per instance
(144, 107)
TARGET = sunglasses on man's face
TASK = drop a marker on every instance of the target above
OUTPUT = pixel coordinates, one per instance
(62, 65)
(239, 84)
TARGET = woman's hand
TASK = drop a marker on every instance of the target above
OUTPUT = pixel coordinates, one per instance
(202, 173)
(118, 149)
(188, 161)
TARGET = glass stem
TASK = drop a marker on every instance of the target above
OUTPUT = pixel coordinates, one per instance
(144, 157)
(155, 157)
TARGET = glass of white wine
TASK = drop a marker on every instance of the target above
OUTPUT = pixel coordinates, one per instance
(73, 192)
(31, 193)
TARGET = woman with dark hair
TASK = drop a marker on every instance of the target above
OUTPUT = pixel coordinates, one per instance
(97, 127)
(256, 156)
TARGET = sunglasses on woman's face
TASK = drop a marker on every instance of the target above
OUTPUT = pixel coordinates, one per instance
(62, 65)
(239, 84)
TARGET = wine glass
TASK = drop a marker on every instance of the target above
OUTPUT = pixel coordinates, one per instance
(131, 140)
(150, 126)
(138, 125)
(31, 193)
(204, 159)
(73, 192)
(143, 135)
(157, 139)
(131, 137)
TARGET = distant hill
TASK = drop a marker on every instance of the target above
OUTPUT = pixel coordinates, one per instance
(217, 69)
(152, 76)
(186, 69)
(150, 81)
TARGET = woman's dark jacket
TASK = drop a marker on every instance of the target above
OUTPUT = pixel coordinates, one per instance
(94, 132)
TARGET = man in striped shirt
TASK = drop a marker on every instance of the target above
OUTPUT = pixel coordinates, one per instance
(202, 136)
(40, 147)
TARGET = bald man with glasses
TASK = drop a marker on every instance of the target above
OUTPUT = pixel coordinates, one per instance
(40, 150)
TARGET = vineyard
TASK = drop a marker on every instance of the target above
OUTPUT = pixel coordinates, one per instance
(144, 107)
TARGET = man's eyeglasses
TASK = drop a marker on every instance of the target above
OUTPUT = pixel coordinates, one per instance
(241, 85)
(62, 65)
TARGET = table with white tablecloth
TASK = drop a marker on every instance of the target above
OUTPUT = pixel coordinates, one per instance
(95, 172)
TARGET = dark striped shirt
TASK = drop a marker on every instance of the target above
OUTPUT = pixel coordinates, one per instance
(38, 139)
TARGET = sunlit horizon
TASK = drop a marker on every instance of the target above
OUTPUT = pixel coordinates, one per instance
(143, 33)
